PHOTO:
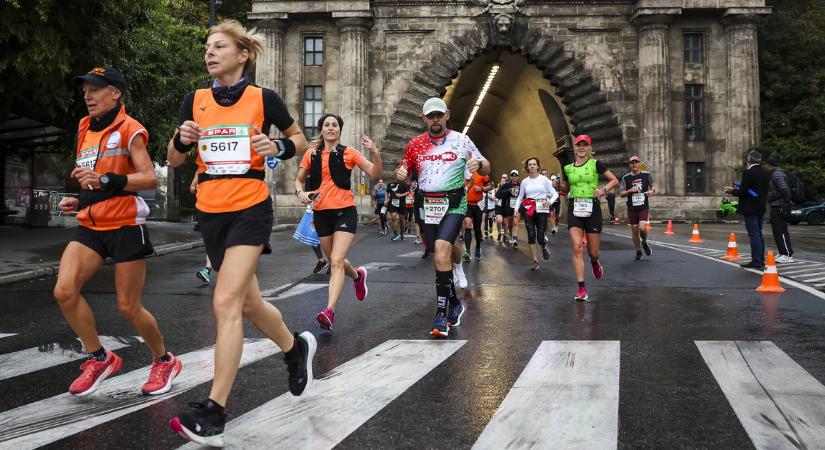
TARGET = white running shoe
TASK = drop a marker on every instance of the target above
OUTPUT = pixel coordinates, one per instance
(459, 277)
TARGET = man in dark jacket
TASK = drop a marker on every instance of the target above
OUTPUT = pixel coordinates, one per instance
(753, 198)
(779, 199)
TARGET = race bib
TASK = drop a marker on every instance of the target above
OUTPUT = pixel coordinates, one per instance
(87, 158)
(409, 200)
(582, 207)
(543, 205)
(435, 208)
(637, 199)
(383, 210)
(225, 149)
(513, 201)
(498, 202)
(395, 202)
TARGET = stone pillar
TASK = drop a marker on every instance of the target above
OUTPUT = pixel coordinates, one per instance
(743, 119)
(354, 33)
(656, 142)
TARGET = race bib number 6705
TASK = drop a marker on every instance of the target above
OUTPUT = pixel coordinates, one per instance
(225, 149)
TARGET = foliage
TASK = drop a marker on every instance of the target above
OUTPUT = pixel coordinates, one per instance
(792, 74)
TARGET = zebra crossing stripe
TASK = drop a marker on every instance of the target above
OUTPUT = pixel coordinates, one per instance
(49, 420)
(811, 280)
(3, 335)
(340, 401)
(566, 397)
(299, 289)
(779, 403)
(50, 355)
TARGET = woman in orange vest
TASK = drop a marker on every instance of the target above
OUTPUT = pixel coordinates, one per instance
(225, 123)
(329, 165)
(112, 165)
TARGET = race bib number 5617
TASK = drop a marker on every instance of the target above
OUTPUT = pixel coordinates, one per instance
(225, 149)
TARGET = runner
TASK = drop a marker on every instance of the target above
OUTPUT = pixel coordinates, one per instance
(584, 214)
(439, 157)
(637, 185)
(477, 187)
(397, 191)
(234, 207)
(112, 164)
(555, 207)
(409, 218)
(515, 185)
(379, 196)
(500, 207)
(536, 194)
(489, 212)
(418, 207)
(507, 193)
(336, 218)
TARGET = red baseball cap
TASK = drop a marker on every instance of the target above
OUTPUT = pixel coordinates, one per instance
(583, 137)
(634, 158)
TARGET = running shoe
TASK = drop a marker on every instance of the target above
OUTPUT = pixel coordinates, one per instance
(300, 369)
(325, 318)
(201, 426)
(361, 289)
(402, 236)
(466, 256)
(479, 255)
(94, 372)
(554, 230)
(161, 375)
(598, 270)
(515, 241)
(418, 240)
(535, 267)
(646, 247)
(426, 255)
(394, 237)
(581, 295)
(205, 274)
(319, 266)
(440, 326)
(459, 277)
(498, 239)
(638, 255)
(545, 252)
(454, 313)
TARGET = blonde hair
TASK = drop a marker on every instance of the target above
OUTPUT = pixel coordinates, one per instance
(244, 39)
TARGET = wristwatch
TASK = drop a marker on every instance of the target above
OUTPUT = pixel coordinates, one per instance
(104, 182)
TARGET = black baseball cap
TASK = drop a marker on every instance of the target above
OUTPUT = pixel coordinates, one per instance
(103, 76)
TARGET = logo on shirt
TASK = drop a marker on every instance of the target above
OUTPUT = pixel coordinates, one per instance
(203, 108)
(114, 140)
(444, 157)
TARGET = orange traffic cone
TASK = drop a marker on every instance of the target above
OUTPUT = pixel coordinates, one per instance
(695, 238)
(770, 278)
(733, 252)
(669, 229)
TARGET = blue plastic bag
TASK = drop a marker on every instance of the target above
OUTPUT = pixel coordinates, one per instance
(305, 232)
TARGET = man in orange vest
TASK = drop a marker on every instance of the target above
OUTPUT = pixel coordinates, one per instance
(112, 164)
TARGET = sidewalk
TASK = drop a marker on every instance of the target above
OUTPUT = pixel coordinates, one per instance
(29, 253)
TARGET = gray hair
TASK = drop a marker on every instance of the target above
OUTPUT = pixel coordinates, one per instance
(755, 156)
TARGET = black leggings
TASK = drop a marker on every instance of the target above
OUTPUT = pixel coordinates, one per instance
(474, 212)
(382, 217)
(536, 227)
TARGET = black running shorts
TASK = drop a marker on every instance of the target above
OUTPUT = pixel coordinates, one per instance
(447, 230)
(250, 226)
(592, 224)
(328, 221)
(129, 243)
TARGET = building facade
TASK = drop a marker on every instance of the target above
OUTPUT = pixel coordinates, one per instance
(674, 81)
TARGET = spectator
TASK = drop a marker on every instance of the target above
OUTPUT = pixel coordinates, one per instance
(753, 198)
(779, 198)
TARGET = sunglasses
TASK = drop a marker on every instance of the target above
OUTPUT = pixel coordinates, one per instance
(434, 115)
(634, 162)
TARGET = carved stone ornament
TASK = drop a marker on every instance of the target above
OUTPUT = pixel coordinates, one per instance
(504, 13)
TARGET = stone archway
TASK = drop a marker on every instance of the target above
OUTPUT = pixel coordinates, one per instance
(582, 100)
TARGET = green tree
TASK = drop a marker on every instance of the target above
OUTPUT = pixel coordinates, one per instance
(792, 76)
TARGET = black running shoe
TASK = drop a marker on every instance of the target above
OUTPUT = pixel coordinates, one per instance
(646, 246)
(479, 255)
(201, 425)
(545, 252)
(638, 255)
(320, 266)
(300, 370)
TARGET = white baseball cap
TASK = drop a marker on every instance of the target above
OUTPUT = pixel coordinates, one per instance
(514, 172)
(434, 104)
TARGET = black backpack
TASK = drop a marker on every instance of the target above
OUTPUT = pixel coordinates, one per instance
(796, 187)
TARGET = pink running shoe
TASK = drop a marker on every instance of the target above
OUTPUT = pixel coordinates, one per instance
(581, 295)
(598, 270)
(161, 376)
(94, 372)
(325, 318)
(360, 284)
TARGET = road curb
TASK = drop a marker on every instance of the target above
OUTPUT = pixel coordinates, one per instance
(52, 268)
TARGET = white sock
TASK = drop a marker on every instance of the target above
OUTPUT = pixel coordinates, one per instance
(458, 268)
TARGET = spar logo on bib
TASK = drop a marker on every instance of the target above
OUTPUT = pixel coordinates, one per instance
(114, 140)
(444, 157)
(223, 131)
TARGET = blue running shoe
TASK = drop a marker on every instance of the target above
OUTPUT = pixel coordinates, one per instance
(394, 237)
(454, 314)
(440, 326)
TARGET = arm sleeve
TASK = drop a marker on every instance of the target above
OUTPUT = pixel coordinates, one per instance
(520, 195)
(601, 167)
(186, 108)
(275, 111)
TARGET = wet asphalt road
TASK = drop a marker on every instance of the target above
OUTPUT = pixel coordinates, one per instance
(656, 308)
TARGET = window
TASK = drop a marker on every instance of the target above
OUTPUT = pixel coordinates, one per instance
(313, 51)
(313, 108)
(694, 48)
(695, 177)
(694, 112)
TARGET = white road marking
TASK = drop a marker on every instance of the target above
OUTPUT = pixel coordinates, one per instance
(811, 280)
(779, 403)
(299, 289)
(270, 292)
(3, 335)
(798, 271)
(411, 255)
(341, 401)
(50, 355)
(566, 397)
(51, 419)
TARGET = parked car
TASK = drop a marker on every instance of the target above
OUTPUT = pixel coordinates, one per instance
(814, 215)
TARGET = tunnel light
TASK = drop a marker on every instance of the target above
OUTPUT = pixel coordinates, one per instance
(481, 95)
